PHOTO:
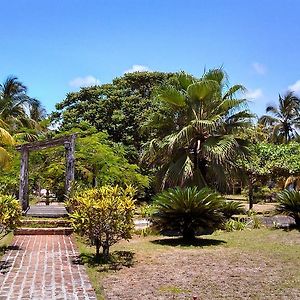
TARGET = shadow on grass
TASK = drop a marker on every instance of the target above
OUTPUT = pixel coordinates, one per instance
(290, 228)
(197, 242)
(116, 261)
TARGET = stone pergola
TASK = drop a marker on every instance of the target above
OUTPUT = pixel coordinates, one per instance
(67, 141)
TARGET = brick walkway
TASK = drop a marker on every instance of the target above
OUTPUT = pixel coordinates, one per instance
(43, 267)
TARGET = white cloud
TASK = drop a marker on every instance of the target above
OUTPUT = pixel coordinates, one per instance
(84, 81)
(259, 68)
(295, 87)
(254, 94)
(138, 68)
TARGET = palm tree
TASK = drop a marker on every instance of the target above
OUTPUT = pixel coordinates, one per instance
(284, 120)
(5, 139)
(196, 132)
(18, 111)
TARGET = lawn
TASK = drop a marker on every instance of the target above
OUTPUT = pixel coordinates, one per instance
(250, 264)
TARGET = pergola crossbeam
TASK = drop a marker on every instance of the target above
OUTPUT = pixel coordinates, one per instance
(68, 142)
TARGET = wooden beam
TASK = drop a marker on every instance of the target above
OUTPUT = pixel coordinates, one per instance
(45, 144)
(23, 191)
(70, 163)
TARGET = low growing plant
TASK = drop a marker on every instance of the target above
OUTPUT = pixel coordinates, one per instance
(10, 214)
(289, 204)
(188, 211)
(104, 215)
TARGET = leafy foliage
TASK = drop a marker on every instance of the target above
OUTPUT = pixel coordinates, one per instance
(231, 208)
(104, 215)
(289, 204)
(10, 214)
(196, 130)
(188, 210)
(118, 108)
(283, 121)
(268, 159)
(99, 161)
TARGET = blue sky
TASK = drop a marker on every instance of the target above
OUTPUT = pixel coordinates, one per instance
(55, 46)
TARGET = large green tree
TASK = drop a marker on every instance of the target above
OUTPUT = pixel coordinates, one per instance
(268, 161)
(197, 130)
(283, 121)
(119, 108)
(99, 161)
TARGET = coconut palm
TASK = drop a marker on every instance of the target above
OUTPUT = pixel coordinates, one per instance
(5, 139)
(18, 111)
(197, 130)
(283, 121)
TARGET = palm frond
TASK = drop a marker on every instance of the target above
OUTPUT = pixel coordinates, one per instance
(171, 95)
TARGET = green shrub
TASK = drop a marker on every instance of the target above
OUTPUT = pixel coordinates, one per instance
(10, 214)
(188, 210)
(103, 215)
(231, 208)
(233, 225)
(289, 204)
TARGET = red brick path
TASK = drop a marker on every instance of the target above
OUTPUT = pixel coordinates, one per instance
(43, 267)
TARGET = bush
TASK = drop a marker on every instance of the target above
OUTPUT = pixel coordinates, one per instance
(231, 208)
(10, 214)
(104, 215)
(289, 204)
(188, 210)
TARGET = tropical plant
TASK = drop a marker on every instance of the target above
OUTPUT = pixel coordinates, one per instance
(197, 130)
(10, 214)
(231, 208)
(268, 161)
(188, 211)
(234, 225)
(289, 204)
(19, 111)
(5, 140)
(284, 120)
(104, 215)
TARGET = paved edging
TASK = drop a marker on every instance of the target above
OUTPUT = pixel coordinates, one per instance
(44, 267)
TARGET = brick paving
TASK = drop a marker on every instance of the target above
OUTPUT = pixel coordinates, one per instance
(43, 267)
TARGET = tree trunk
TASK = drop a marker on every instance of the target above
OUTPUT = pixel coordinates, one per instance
(250, 192)
(94, 183)
(105, 247)
(188, 234)
(97, 245)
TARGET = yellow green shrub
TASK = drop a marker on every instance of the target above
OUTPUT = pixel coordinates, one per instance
(10, 214)
(104, 215)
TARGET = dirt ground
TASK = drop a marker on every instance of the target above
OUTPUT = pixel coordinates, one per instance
(262, 264)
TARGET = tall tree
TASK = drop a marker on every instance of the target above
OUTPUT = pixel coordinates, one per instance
(283, 120)
(5, 140)
(119, 108)
(18, 111)
(196, 130)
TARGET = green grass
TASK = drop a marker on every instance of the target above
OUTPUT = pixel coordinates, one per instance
(4, 243)
(271, 245)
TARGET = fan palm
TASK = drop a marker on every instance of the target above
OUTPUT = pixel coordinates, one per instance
(197, 130)
(284, 120)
